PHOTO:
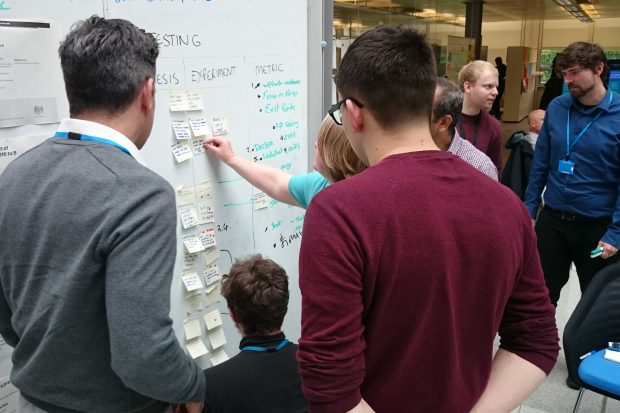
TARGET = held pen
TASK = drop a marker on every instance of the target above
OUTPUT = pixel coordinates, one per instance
(596, 253)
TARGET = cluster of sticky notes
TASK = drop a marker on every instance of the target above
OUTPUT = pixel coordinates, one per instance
(191, 131)
(193, 335)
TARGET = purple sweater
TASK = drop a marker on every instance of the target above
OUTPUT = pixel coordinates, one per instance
(488, 137)
(407, 272)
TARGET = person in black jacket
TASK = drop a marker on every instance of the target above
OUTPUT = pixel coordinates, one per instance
(501, 70)
(263, 377)
(553, 87)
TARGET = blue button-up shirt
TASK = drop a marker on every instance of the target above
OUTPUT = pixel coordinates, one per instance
(592, 190)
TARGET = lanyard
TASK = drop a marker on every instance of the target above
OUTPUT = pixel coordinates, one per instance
(473, 141)
(79, 137)
(569, 145)
(266, 349)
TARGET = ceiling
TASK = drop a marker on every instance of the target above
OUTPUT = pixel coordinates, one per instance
(493, 10)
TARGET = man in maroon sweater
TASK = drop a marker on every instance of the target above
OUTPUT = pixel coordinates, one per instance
(478, 81)
(406, 273)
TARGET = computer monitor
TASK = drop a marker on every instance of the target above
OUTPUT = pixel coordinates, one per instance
(613, 78)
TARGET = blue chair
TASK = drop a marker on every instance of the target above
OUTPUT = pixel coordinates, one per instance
(594, 323)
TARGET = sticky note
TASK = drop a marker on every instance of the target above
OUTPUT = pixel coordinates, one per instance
(185, 195)
(182, 152)
(218, 357)
(206, 215)
(189, 260)
(220, 125)
(177, 99)
(193, 244)
(196, 348)
(214, 295)
(192, 281)
(200, 127)
(181, 130)
(194, 302)
(197, 147)
(207, 237)
(217, 338)
(194, 100)
(189, 217)
(261, 200)
(204, 190)
(213, 319)
(212, 274)
(211, 254)
(192, 329)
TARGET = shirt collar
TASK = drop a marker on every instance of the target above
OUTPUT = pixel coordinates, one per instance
(87, 127)
(456, 142)
(604, 104)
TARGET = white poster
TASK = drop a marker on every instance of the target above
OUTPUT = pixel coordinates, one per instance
(31, 84)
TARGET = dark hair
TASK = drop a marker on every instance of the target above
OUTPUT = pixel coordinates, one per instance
(584, 54)
(256, 289)
(105, 63)
(448, 102)
(498, 60)
(392, 71)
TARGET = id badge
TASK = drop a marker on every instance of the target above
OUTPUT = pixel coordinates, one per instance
(566, 167)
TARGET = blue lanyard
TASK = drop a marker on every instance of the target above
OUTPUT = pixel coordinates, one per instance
(65, 135)
(266, 349)
(570, 146)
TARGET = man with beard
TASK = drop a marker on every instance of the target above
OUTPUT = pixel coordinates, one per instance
(578, 159)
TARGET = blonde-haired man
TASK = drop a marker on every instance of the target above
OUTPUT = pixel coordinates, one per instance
(479, 81)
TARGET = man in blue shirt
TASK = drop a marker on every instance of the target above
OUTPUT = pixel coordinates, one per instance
(577, 158)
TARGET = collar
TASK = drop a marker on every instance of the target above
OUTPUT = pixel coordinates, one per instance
(87, 127)
(604, 104)
(262, 341)
(456, 142)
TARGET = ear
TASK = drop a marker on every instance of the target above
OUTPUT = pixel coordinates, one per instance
(147, 94)
(444, 123)
(467, 87)
(599, 69)
(355, 116)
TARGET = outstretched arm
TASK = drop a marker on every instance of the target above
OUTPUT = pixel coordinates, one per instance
(268, 179)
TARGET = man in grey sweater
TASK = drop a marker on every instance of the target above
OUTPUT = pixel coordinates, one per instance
(88, 244)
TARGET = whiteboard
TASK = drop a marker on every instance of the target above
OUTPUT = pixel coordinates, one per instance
(248, 62)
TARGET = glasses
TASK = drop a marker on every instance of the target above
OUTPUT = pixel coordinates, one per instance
(571, 72)
(334, 111)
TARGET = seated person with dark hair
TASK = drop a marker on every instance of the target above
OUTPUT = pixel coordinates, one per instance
(263, 377)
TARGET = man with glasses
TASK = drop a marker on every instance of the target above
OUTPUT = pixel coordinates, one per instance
(409, 269)
(577, 158)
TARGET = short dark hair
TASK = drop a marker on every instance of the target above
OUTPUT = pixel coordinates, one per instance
(584, 54)
(256, 290)
(449, 101)
(392, 71)
(105, 63)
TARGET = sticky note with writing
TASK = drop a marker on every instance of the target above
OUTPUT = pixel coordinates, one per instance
(192, 281)
(181, 130)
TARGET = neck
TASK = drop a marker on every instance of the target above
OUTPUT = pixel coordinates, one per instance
(261, 334)
(443, 140)
(594, 96)
(126, 123)
(411, 138)
(469, 108)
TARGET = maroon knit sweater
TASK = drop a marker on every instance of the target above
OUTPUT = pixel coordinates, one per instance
(407, 272)
(488, 139)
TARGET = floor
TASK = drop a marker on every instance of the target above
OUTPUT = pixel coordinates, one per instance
(553, 396)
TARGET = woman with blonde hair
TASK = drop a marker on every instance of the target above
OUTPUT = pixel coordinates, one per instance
(334, 160)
